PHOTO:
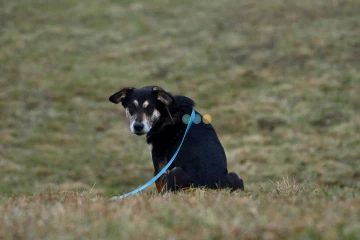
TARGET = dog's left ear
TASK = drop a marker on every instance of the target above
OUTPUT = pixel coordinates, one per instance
(163, 96)
(120, 96)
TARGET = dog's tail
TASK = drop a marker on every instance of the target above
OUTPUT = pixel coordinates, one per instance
(232, 181)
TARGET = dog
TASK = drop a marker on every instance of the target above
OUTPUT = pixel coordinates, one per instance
(201, 161)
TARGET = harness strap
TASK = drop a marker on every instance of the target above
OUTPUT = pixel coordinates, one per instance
(163, 170)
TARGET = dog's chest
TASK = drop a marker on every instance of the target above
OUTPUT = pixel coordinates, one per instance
(150, 149)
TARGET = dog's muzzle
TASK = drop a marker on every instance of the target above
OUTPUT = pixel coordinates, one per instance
(138, 128)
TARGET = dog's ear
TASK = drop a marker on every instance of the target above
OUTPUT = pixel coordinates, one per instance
(120, 95)
(163, 96)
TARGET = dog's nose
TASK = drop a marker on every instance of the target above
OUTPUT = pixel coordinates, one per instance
(138, 126)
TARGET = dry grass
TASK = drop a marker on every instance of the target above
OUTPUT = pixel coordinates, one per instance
(280, 79)
(279, 213)
(288, 187)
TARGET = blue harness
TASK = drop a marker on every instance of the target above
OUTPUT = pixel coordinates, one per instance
(164, 169)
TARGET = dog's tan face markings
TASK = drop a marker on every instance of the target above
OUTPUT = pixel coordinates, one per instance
(131, 110)
(150, 116)
(144, 113)
(151, 119)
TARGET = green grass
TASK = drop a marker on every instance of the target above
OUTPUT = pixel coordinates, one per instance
(281, 80)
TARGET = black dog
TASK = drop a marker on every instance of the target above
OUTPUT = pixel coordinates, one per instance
(201, 161)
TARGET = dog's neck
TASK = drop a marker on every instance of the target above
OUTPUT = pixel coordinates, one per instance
(159, 128)
(172, 119)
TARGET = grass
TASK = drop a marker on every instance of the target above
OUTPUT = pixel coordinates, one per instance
(287, 210)
(279, 78)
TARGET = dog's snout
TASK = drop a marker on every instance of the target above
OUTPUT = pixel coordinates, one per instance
(138, 126)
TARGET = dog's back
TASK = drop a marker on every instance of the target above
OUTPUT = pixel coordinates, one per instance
(201, 156)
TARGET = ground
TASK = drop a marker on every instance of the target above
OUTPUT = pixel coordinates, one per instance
(280, 79)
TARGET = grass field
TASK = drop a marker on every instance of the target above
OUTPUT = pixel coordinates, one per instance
(281, 80)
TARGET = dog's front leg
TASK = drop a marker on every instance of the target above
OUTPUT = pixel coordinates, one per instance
(161, 182)
(159, 160)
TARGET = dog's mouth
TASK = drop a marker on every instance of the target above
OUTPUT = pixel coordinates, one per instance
(139, 133)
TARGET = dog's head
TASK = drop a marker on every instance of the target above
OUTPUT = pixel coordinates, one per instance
(143, 106)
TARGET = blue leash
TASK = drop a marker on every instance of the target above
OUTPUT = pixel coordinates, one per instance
(164, 169)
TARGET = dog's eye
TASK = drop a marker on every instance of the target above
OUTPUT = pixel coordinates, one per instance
(132, 109)
(149, 109)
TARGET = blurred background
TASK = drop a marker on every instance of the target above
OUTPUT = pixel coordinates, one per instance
(281, 80)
